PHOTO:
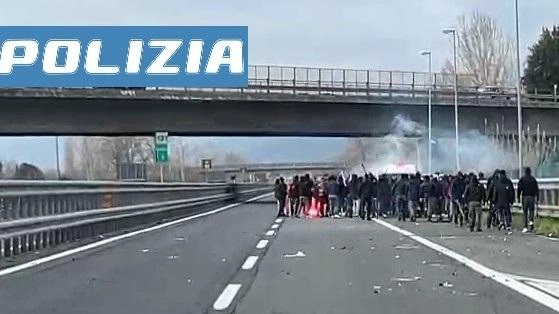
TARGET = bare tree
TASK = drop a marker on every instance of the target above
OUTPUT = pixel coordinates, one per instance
(484, 51)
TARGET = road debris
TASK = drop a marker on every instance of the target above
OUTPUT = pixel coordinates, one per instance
(438, 265)
(406, 247)
(224, 260)
(446, 284)
(471, 294)
(180, 239)
(172, 257)
(372, 248)
(189, 280)
(332, 248)
(298, 254)
(405, 279)
(397, 256)
(448, 237)
(145, 250)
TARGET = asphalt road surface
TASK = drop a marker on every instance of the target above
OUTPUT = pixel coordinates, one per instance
(353, 266)
(246, 261)
(180, 269)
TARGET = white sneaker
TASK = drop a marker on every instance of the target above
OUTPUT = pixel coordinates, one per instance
(336, 216)
(525, 230)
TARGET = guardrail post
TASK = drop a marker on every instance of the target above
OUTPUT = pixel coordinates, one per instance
(368, 82)
(268, 79)
(294, 80)
(319, 80)
(390, 84)
(343, 82)
(555, 93)
(412, 84)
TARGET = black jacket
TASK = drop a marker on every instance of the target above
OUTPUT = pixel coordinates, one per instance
(475, 192)
(384, 190)
(366, 189)
(434, 189)
(414, 192)
(401, 188)
(458, 188)
(281, 191)
(528, 186)
(305, 188)
(503, 192)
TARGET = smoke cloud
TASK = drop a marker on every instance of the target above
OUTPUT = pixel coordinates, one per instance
(407, 143)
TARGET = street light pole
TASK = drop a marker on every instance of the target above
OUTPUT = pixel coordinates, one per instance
(453, 32)
(57, 159)
(518, 86)
(430, 152)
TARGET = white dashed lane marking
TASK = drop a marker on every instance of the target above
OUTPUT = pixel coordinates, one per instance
(275, 226)
(249, 262)
(270, 232)
(261, 244)
(226, 297)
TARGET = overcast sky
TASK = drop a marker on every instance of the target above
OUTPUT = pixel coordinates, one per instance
(371, 34)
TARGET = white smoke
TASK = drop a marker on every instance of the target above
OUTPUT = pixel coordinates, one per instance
(407, 144)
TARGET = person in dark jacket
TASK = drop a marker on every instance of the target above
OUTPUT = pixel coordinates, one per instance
(474, 194)
(384, 195)
(424, 190)
(493, 217)
(353, 187)
(281, 196)
(342, 195)
(503, 198)
(293, 196)
(401, 188)
(457, 189)
(528, 192)
(414, 194)
(365, 198)
(333, 197)
(433, 199)
(305, 195)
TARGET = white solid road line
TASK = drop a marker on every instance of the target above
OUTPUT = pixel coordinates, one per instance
(90, 246)
(275, 226)
(506, 280)
(249, 262)
(261, 244)
(226, 297)
(279, 220)
(270, 232)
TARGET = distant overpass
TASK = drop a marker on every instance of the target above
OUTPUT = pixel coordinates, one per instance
(280, 101)
(267, 167)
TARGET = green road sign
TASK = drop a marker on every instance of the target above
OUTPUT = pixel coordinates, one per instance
(161, 147)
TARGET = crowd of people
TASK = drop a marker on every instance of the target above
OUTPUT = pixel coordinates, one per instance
(460, 198)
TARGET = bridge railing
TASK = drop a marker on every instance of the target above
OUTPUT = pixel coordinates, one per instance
(36, 215)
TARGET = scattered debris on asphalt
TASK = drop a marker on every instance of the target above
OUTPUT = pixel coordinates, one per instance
(406, 247)
(448, 237)
(539, 252)
(397, 256)
(224, 260)
(180, 239)
(405, 279)
(471, 294)
(446, 284)
(350, 283)
(298, 254)
(454, 273)
(332, 248)
(172, 257)
(423, 262)
(145, 250)
(189, 280)
(438, 265)
(372, 248)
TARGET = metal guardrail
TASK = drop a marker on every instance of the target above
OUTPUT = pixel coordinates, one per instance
(327, 84)
(39, 214)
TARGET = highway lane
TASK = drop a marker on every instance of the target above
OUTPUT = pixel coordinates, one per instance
(353, 266)
(179, 269)
(527, 255)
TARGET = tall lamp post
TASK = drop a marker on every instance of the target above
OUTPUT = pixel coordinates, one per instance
(518, 104)
(453, 32)
(430, 152)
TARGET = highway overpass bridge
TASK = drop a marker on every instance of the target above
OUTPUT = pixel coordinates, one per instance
(279, 101)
